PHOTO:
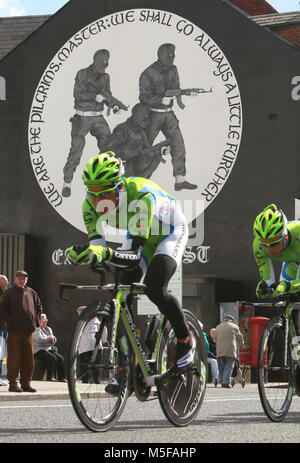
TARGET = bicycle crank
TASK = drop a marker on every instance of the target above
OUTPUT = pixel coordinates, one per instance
(142, 390)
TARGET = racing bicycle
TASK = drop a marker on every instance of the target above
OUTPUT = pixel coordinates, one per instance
(105, 349)
(278, 360)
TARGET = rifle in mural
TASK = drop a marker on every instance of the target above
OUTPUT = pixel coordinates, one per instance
(157, 149)
(187, 91)
(113, 103)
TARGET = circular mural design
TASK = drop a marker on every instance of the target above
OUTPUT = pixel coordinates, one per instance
(116, 85)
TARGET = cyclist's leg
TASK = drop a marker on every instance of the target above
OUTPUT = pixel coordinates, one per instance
(129, 276)
(160, 271)
(167, 257)
(157, 278)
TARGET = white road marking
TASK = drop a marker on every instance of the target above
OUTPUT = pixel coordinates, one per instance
(34, 406)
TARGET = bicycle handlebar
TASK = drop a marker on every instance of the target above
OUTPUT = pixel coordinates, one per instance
(64, 286)
(102, 270)
(287, 298)
(281, 301)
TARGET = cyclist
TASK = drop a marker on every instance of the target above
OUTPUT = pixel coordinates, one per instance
(278, 239)
(157, 234)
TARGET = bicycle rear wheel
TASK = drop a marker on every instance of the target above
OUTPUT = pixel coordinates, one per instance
(181, 397)
(89, 371)
(275, 372)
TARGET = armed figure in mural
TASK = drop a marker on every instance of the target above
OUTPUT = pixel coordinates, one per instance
(130, 143)
(159, 85)
(91, 94)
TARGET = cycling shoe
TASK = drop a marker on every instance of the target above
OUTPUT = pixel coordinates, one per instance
(185, 352)
(113, 387)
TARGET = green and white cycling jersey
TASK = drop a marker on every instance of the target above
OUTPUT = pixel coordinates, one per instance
(148, 213)
(290, 257)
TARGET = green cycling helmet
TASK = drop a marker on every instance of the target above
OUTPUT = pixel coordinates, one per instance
(103, 170)
(270, 223)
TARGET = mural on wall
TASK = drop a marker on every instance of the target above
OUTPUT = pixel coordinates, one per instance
(149, 85)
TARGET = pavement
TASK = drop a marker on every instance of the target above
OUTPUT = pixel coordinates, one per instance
(49, 390)
(46, 390)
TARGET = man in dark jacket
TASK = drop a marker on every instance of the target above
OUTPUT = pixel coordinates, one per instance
(3, 331)
(20, 308)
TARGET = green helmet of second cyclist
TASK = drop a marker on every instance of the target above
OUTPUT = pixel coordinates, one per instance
(270, 225)
(276, 238)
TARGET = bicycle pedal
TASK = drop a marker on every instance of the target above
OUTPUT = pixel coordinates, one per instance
(105, 314)
(180, 371)
(105, 311)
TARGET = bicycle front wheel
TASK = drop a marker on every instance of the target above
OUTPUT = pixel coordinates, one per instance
(181, 396)
(275, 371)
(90, 371)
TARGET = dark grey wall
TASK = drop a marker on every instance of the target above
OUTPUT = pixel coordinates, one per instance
(266, 170)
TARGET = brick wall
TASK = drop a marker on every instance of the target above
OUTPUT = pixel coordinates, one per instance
(259, 7)
(254, 7)
(292, 34)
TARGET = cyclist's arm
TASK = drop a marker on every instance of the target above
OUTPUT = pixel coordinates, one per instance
(289, 279)
(139, 224)
(92, 224)
(264, 263)
(139, 227)
(126, 258)
(289, 271)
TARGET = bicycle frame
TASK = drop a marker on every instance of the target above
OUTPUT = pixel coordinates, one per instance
(121, 310)
(123, 364)
(289, 327)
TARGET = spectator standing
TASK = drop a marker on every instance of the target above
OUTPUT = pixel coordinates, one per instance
(46, 351)
(20, 308)
(3, 331)
(227, 337)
